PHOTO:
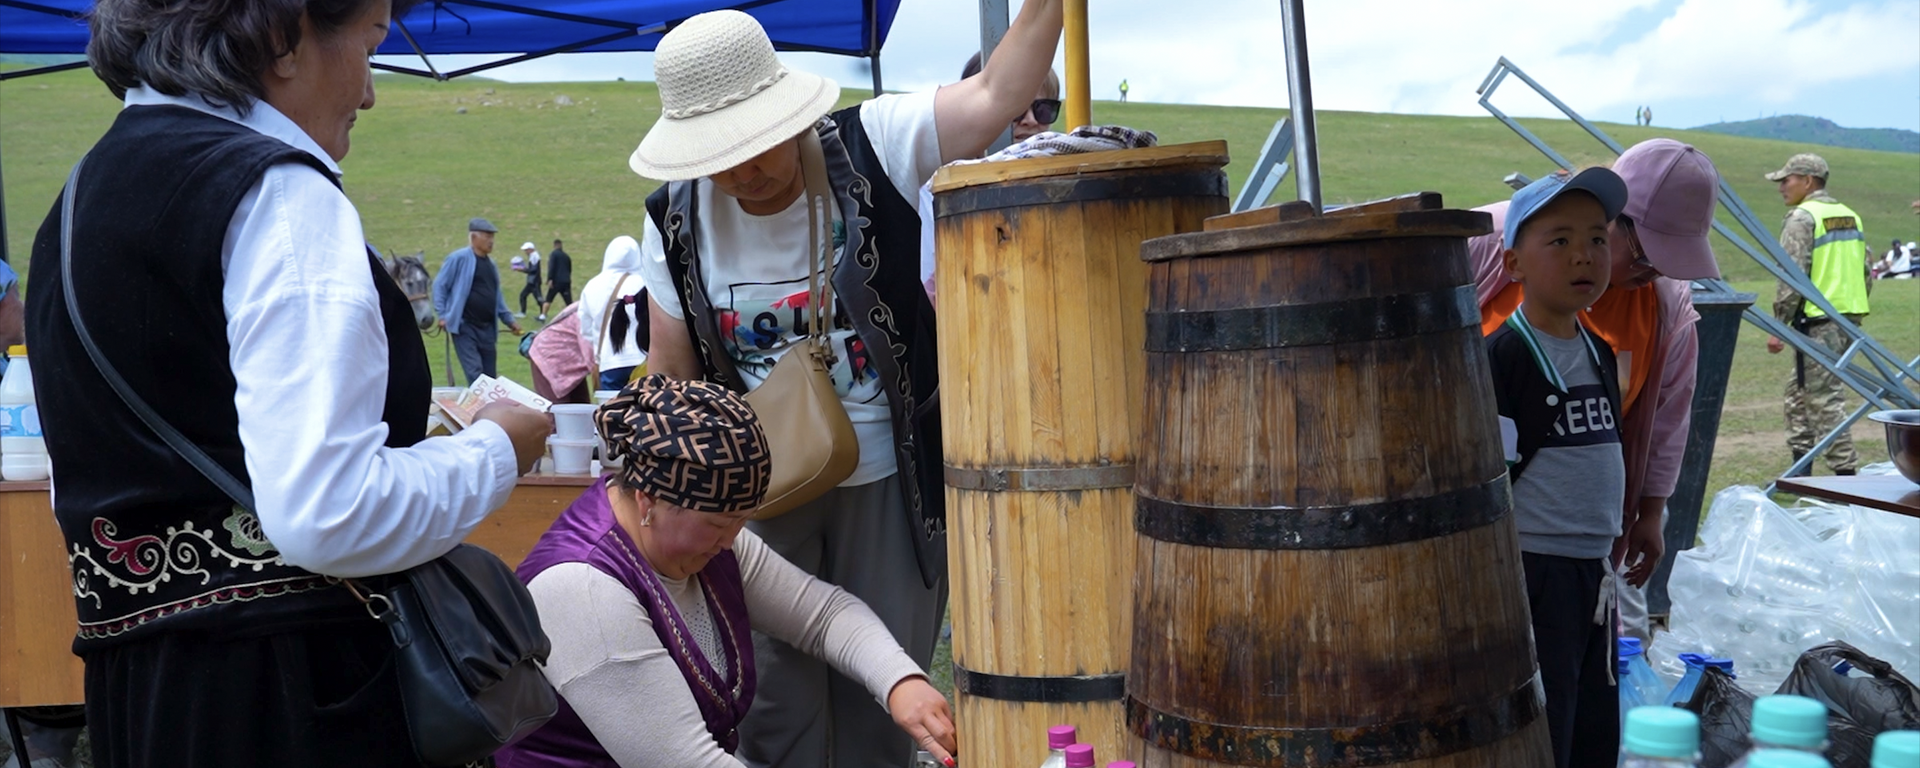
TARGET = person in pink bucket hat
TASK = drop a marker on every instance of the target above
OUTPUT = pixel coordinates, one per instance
(768, 182)
(1658, 244)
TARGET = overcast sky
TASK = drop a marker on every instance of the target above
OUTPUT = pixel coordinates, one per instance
(1856, 62)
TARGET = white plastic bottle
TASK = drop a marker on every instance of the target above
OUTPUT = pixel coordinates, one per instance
(23, 451)
(1059, 738)
(1787, 722)
(1660, 737)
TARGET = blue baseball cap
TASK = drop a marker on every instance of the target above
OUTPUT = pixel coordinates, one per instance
(1603, 184)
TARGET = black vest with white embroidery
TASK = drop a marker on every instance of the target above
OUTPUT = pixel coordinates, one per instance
(154, 546)
(877, 280)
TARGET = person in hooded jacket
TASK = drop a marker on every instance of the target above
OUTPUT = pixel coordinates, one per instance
(613, 314)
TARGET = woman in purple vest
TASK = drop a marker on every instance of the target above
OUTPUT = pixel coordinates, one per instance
(649, 588)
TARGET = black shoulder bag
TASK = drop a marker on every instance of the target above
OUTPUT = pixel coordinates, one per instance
(465, 629)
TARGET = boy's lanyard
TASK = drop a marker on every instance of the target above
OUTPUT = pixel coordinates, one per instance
(1518, 321)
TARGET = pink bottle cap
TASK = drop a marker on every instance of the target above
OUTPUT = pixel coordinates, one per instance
(1080, 756)
(1120, 764)
(1062, 736)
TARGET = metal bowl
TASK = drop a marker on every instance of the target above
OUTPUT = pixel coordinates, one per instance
(1903, 440)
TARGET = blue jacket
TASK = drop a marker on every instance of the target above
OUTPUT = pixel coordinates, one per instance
(450, 291)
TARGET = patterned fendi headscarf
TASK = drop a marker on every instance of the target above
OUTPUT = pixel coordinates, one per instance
(688, 443)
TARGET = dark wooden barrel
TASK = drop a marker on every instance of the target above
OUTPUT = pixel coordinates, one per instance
(1041, 295)
(1327, 571)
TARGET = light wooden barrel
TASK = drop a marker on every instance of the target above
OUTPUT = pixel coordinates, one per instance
(1327, 571)
(1041, 295)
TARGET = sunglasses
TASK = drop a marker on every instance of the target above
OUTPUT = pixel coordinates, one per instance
(1640, 260)
(1045, 111)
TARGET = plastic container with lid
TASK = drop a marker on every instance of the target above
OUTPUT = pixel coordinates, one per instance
(1697, 665)
(1639, 674)
(1080, 756)
(23, 449)
(1787, 722)
(1786, 758)
(1059, 738)
(1660, 737)
(1896, 749)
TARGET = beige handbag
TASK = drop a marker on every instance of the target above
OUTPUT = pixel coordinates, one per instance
(808, 432)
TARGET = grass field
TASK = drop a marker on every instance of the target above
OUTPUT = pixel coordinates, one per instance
(420, 168)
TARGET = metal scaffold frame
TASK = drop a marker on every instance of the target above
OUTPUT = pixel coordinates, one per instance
(1866, 366)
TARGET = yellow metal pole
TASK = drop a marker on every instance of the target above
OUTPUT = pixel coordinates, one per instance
(1079, 90)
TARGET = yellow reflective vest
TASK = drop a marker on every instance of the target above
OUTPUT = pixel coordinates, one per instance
(1839, 263)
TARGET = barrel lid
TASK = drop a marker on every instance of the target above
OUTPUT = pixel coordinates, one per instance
(1206, 154)
(1414, 215)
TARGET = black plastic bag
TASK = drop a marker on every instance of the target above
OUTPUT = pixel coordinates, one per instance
(1726, 715)
(1859, 708)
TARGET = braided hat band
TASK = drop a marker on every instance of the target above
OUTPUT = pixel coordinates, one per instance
(688, 443)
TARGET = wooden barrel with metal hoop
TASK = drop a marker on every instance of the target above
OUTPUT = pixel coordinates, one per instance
(1327, 572)
(1041, 295)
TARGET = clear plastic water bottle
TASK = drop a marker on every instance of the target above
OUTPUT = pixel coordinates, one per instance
(1660, 737)
(1786, 758)
(1697, 665)
(1629, 695)
(1080, 756)
(23, 450)
(1640, 674)
(1059, 738)
(924, 759)
(1896, 749)
(1787, 722)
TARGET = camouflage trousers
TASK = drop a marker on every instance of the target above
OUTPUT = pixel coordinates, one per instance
(1817, 401)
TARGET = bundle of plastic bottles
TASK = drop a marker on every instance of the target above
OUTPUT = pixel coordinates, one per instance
(1768, 582)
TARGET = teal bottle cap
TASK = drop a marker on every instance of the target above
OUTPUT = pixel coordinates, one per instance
(1662, 732)
(1786, 758)
(1790, 721)
(1897, 749)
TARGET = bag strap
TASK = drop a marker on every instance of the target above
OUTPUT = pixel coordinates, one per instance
(819, 194)
(214, 473)
(613, 305)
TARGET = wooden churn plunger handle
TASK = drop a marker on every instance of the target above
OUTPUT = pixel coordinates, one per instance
(1306, 149)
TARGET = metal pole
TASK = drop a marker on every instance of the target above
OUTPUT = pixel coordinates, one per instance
(1306, 148)
(876, 74)
(993, 26)
(1079, 75)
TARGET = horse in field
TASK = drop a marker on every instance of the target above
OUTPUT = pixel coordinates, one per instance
(410, 273)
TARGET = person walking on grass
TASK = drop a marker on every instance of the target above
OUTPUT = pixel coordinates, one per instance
(529, 262)
(559, 278)
(468, 301)
(1827, 241)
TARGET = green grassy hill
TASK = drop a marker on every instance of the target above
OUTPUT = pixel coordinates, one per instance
(1818, 130)
(420, 167)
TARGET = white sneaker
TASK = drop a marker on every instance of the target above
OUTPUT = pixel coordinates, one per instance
(543, 317)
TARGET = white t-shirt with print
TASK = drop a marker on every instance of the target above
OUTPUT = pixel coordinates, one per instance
(755, 270)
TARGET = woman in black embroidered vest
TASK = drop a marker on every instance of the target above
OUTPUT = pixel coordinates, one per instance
(726, 250)
(222, 272)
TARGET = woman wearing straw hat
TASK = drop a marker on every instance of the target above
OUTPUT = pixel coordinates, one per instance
(726, 260)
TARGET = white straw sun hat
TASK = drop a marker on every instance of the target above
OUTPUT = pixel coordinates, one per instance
(724, 99)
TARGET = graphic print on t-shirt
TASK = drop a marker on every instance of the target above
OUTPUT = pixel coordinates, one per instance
(767, 319)
(1584, 417)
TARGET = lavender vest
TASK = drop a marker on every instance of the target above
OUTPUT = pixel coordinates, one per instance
(586, 533)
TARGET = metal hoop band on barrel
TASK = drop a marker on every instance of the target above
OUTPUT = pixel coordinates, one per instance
(1336, 527)
(1405, 741)
(1067, 689)
(1041, 478)
(1098, 188)
(1301, 325)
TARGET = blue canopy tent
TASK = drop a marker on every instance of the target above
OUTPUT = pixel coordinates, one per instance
(529, 28)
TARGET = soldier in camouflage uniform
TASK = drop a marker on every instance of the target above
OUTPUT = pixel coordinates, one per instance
(1825, 239)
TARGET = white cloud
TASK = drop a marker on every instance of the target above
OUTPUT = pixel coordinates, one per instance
(1738, 57)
